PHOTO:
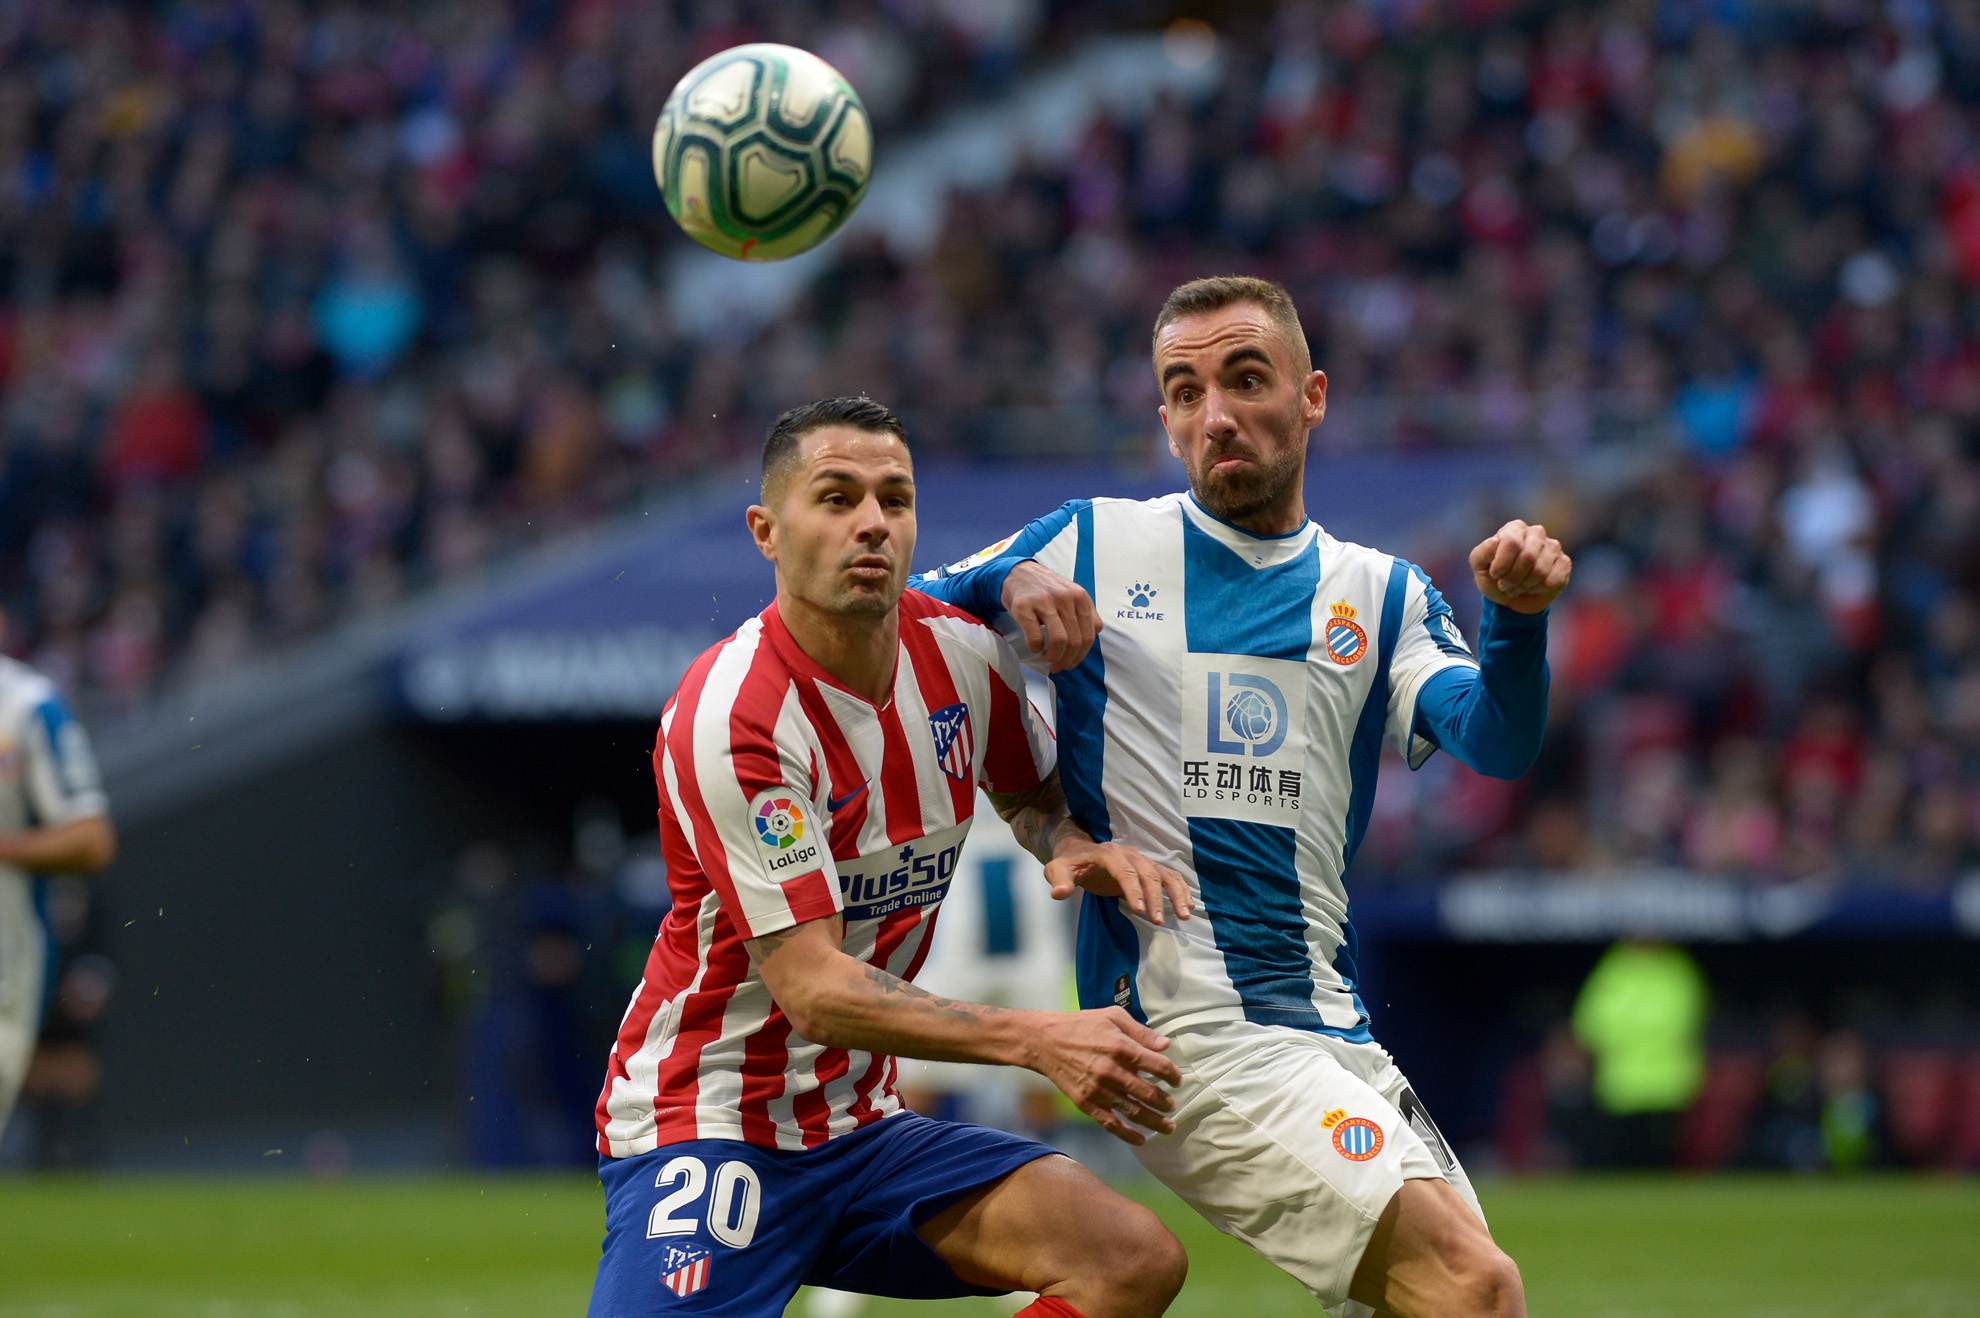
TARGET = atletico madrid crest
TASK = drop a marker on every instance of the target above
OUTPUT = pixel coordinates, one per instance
(955, 748)
(1346, 642)
(688, 1268)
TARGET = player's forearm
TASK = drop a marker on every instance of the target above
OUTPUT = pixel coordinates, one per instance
(1039, 818)
(856, 1005)
(1494, 719)
(978, 590)
(80, 847)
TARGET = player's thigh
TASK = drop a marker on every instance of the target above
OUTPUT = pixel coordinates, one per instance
(22, 953)
(1431, 1257)
(1053, 1222)
(909, 1172)
(714, 1228)
(1380, 1070)
(1280, 1145)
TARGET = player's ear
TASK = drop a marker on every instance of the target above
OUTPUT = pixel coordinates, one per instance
(763, 529)
(1163, 412)
(1316, 398)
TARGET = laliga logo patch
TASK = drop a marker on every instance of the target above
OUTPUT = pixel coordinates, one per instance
(1346, 642)
(780, 823)
(789, 841)
(1355, 1138)
(981, 556)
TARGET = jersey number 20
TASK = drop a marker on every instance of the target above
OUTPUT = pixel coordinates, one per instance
(732, 1209)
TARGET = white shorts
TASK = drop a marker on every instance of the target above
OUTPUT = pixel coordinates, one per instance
(23, 963)
(1294, 1143)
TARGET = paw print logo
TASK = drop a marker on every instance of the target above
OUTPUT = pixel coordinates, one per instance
(1140, 594)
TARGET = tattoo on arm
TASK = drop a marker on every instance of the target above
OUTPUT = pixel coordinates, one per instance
(762, 949)
(1039, 817)
(893, 986)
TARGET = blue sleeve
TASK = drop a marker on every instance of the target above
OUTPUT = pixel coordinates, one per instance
(1493, 717)
(976, 584)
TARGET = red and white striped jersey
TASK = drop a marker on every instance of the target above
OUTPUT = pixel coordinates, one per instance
(786, 798)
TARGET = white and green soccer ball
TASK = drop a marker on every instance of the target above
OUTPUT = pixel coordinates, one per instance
(762, 152)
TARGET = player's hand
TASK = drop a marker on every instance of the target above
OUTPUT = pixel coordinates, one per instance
(1521, 568)
(1058, 618)
(1103, 1060)
(1108, 869)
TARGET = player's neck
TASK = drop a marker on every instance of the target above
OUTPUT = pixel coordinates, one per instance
(859, 653)
(1283, 517)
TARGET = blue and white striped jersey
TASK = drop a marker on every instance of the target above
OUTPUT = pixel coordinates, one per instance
(1228, 723)
(48, 777)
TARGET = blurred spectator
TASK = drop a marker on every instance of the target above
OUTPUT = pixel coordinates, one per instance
(1641, 1016)
(534, 961)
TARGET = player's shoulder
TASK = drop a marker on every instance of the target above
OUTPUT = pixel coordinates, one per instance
(1349, 554)
(955, 626)
(1113, 506)
(24, 688)
(741, 674)
(1163, 507)
(917, 606)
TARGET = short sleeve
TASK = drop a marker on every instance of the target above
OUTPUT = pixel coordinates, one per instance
(1427, 643)
(742, 783)
(1019, 752)
(59, 768)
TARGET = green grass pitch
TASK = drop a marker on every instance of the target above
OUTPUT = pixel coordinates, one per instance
(84, 1247)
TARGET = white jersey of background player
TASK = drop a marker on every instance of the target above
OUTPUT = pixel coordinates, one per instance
(53, 817)
(1002, 940)
(1228, 724)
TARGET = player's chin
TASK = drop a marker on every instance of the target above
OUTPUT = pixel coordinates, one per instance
(869, 599)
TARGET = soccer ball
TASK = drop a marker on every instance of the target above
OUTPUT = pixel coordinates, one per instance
(1250, 715)
(762, 152)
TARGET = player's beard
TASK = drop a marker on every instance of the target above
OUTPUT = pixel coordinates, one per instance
(1250, 489)
(861, 599)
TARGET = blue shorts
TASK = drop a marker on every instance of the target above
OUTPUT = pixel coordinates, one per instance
(719, 1227)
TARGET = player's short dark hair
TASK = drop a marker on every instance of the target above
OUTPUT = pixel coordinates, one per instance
(780, 446)
(1200, 296)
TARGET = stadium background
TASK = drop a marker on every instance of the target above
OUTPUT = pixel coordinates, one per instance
(370, 439)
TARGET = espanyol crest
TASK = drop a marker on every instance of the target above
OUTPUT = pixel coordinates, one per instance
(1346, 642)
(955, 747)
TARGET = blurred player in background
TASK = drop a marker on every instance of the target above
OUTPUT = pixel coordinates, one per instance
(817, 774)
(1002, 940)
(53, 819)
(1229, 722)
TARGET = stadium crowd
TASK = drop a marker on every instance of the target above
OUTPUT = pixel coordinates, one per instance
(306, 306)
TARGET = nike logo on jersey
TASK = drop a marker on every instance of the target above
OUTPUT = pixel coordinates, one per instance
(832, 807)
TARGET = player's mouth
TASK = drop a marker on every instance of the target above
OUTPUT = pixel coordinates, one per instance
(871, 567)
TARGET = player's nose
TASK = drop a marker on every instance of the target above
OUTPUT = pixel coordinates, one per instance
(1218, 419)
(872, 522)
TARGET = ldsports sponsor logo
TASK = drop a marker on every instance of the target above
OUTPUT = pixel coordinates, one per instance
(1243, 738)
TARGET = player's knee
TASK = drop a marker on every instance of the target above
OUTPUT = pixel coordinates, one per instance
(1488, 1284)
(1144, 1262)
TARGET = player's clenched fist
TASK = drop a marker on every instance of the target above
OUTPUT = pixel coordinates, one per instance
(1057, 617)
(1103, 1061)
(1521, 568)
